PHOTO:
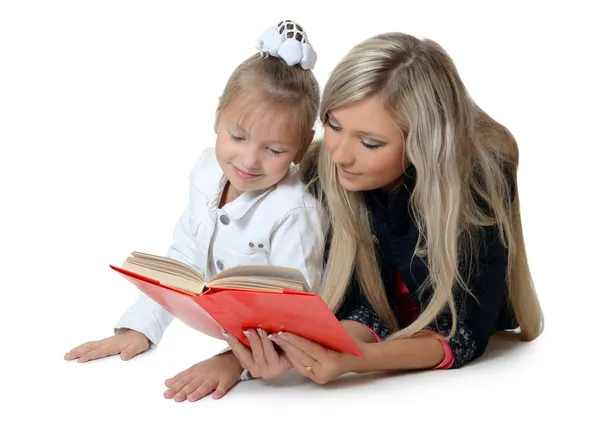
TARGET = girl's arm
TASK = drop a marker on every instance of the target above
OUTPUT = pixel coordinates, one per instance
(145, 315)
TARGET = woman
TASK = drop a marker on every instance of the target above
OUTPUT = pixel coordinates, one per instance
(426, 253)
(425, 258)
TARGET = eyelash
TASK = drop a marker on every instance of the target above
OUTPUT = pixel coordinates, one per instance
(363, 142)
(238, 139)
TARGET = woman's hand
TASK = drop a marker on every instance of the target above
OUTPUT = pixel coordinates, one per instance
(315, 361)
(263, 359)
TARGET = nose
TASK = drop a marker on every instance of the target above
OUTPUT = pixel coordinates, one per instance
(342, 152)
(250, 158)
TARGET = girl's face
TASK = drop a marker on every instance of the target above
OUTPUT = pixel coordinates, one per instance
(366, 146)
(255, 148)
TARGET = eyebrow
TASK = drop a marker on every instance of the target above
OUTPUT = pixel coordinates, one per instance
(377, 137)
(238, 127)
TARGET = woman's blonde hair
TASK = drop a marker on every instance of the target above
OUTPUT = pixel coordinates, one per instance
(461, 157)
(280, 87)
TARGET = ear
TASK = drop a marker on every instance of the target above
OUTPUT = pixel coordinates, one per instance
(217, 115)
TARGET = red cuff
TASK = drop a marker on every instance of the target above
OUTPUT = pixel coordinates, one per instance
(374, 334)
(449, 356)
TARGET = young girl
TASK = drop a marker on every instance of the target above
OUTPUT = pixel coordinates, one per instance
(427, 258)
(247, 204)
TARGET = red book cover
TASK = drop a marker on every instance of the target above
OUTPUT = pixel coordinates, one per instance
(235, 310)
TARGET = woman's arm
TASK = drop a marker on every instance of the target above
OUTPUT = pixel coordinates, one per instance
(424, 350)
(473, 330)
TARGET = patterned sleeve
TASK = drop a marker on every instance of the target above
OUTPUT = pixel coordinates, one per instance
(365, 315)
(357, 308)
(479, 311)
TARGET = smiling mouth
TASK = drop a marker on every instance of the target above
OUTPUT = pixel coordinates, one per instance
(245, 175)
(346, 172)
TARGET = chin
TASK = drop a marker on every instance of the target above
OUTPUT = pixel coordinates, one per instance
(352, 186)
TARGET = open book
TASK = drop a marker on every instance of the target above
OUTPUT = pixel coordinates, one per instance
(274, 298)
(183, 277)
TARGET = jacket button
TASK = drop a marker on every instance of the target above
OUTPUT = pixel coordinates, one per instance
(220, 264)
(251, 244)
(224, 219)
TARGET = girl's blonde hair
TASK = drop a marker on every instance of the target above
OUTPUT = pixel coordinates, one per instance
(280, 87)
(461, 157)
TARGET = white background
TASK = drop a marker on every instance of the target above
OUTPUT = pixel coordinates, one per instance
(104, 106)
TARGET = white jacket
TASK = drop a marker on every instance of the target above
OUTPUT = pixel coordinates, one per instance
(280, 226)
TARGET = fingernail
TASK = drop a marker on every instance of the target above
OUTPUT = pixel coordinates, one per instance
(245, 333)
(282, 335)
(224, 333)
(261, 332)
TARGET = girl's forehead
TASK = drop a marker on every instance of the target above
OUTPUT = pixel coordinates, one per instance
(248, 112)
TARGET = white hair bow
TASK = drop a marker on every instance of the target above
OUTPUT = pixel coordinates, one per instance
(289, 42)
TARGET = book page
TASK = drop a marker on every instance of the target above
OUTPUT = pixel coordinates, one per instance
(258, 283)
(165, 278)
(286, 274)
(165, 264)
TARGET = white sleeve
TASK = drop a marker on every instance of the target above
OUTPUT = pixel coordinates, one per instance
(299, 242)
(145, 315)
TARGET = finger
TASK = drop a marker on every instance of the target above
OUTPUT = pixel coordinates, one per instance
(202, 391)
(222, 388)
(173, 380)
(297, 358)
(193, 384)
(133, 349)
(95, 354)
(294, 354)
(80, 350)
(241, 352)
(309, 347)
(178, 385)
(258, 353)
(271, 355)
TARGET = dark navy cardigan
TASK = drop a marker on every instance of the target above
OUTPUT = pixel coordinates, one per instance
(395, 236)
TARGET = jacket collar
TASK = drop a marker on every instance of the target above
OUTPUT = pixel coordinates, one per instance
(212, 183)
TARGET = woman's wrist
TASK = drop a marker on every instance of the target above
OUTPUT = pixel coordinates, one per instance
(363, 363)
(417, 353)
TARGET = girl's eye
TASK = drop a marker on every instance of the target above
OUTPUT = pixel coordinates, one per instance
(274, 152)
(236, 138)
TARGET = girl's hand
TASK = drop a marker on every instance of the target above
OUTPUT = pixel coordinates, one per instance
(263, 359)
(127, 343)
(217, 375)
(315, 361)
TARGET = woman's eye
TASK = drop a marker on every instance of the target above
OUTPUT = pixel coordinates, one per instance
(369, 145)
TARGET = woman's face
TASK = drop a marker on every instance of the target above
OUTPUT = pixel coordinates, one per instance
(366, 146)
